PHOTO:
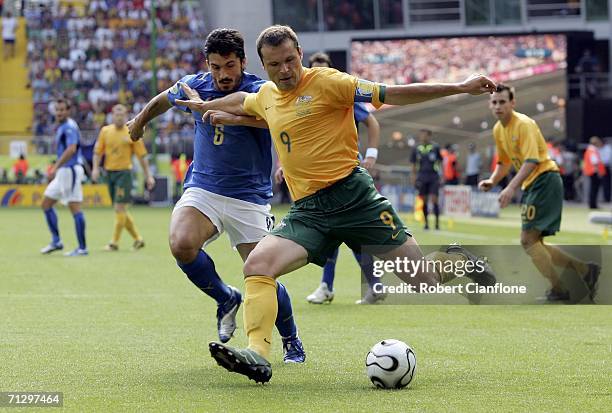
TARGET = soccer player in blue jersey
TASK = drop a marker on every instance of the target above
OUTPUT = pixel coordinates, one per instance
(227, 187)
(325, 292)
(65, 186)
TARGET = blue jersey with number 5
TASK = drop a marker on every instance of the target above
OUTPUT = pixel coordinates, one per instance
(233, 161)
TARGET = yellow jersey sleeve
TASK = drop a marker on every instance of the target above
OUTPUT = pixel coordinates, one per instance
(252, 106)
(345, 89)
(100, 143)
(528, 143)
(139, 148)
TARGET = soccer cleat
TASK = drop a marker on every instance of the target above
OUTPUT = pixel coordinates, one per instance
(486, 277)
(111, 247)
(321, 295)
(591, 279)
(370, 297)
(53, 246)
(77, 252)
(293, 350)
(138, 244)
(243, 361)
(226, 315)
(556, 296)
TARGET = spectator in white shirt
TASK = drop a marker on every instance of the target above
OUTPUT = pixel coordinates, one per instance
(9, 30)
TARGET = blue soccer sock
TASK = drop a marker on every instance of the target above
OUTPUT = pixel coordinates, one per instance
(51, 218)
(329, 270)
(203, 274)
(366, 262)
(79, 224)
(284, 318)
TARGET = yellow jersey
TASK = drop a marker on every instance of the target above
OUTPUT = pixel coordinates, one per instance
(521, 141)
(313, 126)
(117, 148)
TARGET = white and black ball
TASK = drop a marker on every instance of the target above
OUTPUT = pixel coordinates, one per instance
(391, 364)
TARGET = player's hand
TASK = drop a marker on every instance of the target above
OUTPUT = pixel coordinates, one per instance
(150, 182)
(95, 175)
(135, 129)
(279, 177)
(485, 185)
(218, 117)
(477, 84)
(369, 163)
(52, 172)
(193, 101)
(505, 197)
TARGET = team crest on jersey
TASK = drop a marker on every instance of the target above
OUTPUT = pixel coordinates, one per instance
(174, 89)
(303, 105)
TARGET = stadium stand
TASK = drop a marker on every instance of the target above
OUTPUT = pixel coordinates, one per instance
(15, 97)
(97, 54)
(455, 58)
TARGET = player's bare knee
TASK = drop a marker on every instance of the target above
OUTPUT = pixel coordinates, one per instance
(528, 240)
(183, 247)
(258, 264)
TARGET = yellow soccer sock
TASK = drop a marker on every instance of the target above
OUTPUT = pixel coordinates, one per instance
(260, 310)
(131, 227)
(543, 261)
(120, 219)
(565, 260)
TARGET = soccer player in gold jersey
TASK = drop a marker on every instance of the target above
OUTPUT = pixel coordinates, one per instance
(115, 144)
(519, 143)
(310, 115)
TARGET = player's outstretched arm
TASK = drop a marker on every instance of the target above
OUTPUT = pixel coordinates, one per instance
(156, 106)
(421, 92)
(231, 103)
(218, 117)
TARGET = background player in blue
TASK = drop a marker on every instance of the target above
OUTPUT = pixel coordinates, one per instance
(227, 186)
(66, 176)
(325, 292)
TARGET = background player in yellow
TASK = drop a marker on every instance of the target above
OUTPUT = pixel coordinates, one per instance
(115, 145)
(520, 143)
(310, 115)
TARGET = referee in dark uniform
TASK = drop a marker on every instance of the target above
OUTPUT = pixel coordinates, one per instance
(426, 162)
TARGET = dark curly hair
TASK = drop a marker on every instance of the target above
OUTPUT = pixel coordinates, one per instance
(223, 42)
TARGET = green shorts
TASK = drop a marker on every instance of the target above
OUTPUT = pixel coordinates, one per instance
(120, 186)
(542, 203)
(350, 211)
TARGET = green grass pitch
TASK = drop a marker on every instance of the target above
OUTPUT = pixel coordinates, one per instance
(127, 331)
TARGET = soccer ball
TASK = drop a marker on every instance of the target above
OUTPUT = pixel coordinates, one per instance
(391, 364)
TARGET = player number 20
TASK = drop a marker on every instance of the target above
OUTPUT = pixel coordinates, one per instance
(219, 135)
(528, 211)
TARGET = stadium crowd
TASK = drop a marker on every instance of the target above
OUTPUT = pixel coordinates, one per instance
(453, 59)
(98, 55)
